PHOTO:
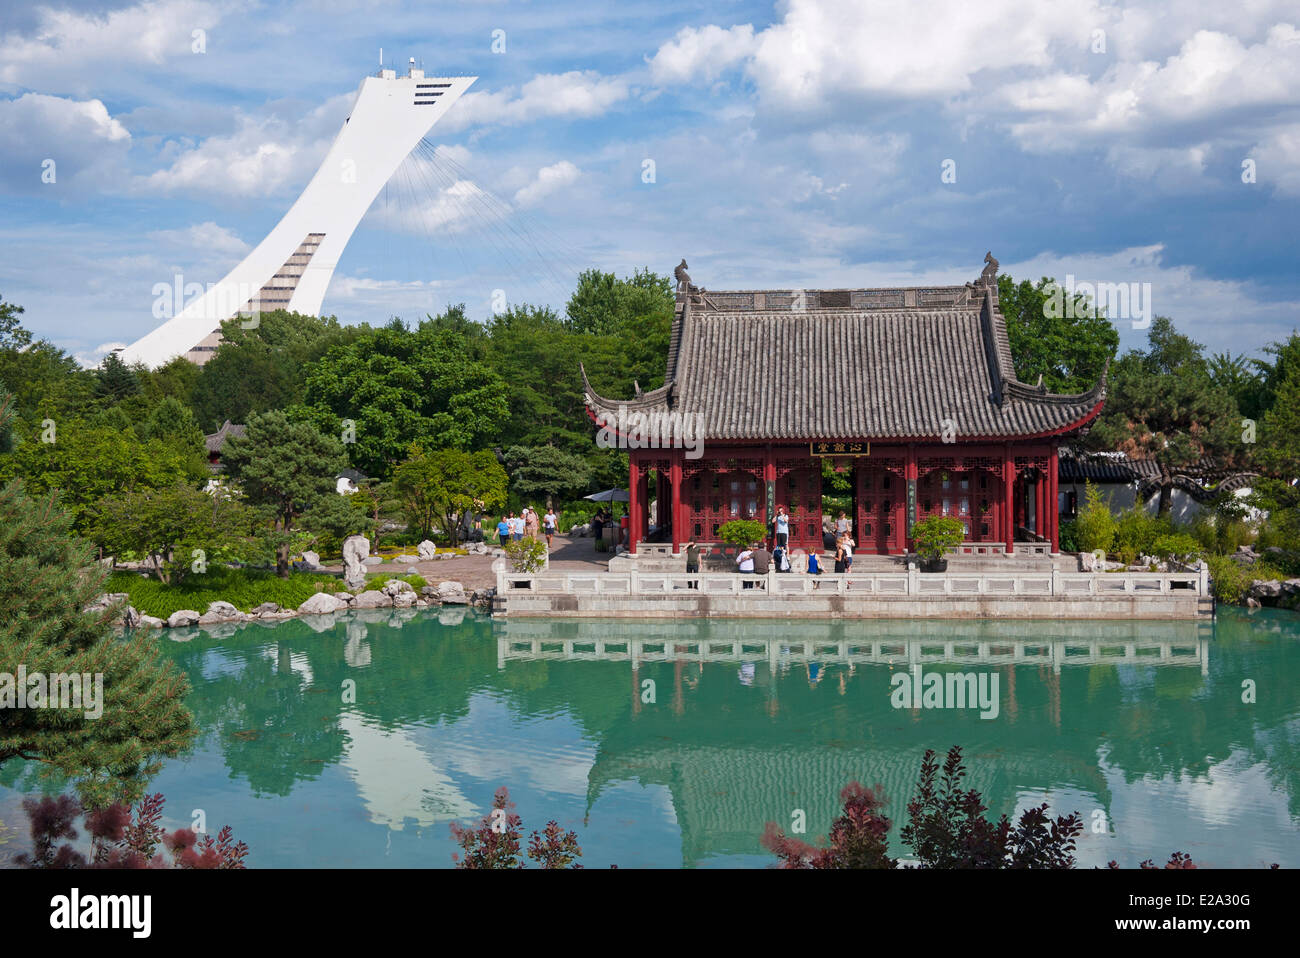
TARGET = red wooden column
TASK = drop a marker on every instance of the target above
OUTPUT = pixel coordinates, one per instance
(910, 478)
(1040, 502)
(1008, 498)
(769, 475)
(1053, 493)
(679, 520)
(633, 499)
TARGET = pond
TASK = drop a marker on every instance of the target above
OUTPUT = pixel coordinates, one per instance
(672, 744)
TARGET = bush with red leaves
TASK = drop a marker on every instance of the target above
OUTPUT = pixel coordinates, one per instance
(118, 842)
(857, 838)
(496, 842)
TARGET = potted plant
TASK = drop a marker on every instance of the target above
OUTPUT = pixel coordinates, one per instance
(935, 535)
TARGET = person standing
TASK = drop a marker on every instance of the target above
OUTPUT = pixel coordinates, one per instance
(841, 526)
(745, 564)
(503, 531)
(692, 563)
(549, 522)
(531, 526)
(848, 553)
(839, 554)
(598, 525)
(782, 525)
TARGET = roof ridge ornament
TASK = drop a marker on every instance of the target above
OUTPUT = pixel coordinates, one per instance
(989, 276)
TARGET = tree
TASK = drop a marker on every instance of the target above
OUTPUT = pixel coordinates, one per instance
(1068, 344)
(858, 837)
(400, 387)
(1163, 406)
(946, 826)
(495, 842)
(47, 579)
(12, 334)
(169, 524)
(263, 367)
(283, 467)
(443, 485)
(89, 461)
(1095, 527)
(114, 380)
(544, 472)
(603, 304)
(118, 842)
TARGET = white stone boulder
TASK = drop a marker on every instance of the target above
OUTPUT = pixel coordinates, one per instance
(151, 622)
(181, 618)
(355, 551)
(372, 600)
(373, 560)
(427, 549)
(395, 587)
(264, 608)
(322, 603)
(311, 561)
(408, 560)
(404, 600)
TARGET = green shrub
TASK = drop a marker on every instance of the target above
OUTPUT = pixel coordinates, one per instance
(742, 532)
(243, 588)
(1095, 526)
(416, 582)
(1179, 546)
(526, 555)
(1069, 535)
(1136, 531)
(935, 535)
(1229, 582)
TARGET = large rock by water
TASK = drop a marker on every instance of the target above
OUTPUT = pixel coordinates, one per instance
(372, 600)
(355, 551)
(322, 603)
(181, 618)
(219, 612)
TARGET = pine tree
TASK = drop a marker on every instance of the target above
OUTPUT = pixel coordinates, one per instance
(114, 379)
(47, 579)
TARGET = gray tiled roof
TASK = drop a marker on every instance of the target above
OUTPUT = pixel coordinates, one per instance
(865, 364)
(216, 440)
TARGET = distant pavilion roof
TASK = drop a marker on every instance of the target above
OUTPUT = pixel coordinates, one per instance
(887, 364)
(218, 439)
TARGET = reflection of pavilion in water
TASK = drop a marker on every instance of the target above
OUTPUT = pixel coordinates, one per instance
(729, 774)
(869, 642)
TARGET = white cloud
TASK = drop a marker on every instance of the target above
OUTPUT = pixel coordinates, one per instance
(69, 48)
(548, 180)
(264, 156)
(580, 93)
(80, 136)
(206, 237)
(703, 52)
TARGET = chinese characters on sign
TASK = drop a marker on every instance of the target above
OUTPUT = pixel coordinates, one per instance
(833, 448)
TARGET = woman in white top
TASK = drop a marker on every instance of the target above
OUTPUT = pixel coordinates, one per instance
(745, 564)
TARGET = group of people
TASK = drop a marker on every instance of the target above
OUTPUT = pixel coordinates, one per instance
(757, 560)
(513, 527)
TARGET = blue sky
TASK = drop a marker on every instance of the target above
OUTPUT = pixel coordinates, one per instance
(795, 145)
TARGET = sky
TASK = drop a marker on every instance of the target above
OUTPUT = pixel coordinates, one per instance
(799, 145)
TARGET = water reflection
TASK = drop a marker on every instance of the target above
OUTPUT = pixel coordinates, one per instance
(671, 743)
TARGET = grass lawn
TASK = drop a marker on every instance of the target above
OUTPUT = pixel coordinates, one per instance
(243, 588)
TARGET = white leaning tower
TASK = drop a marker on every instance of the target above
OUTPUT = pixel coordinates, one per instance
(291, 268)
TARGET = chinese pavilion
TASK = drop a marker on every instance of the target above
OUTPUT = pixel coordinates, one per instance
(911, 393)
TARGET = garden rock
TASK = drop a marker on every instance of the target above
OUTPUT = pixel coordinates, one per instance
(181, 618)
(264, 608)
(449, 586)
(1265, 589)
(395, 587)
(373, 560)
(427, 549)
(343, 596)
(321, 604)
(372, 600)
(311, 561)
(404, 600)
(355, 551)
(151, 622)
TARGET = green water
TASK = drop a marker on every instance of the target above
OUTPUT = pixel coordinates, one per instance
(1158, 753)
